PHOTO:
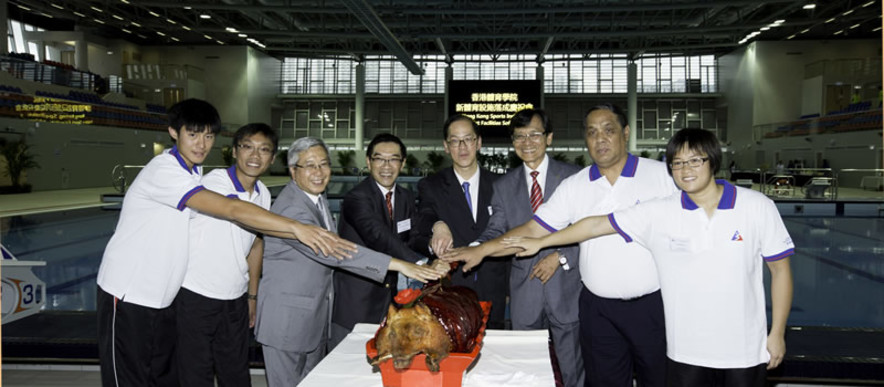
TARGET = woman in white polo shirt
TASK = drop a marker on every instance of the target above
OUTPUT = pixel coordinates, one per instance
(709, 242)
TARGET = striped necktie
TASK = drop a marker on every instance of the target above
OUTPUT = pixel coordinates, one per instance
(536, 194)
(390, 204)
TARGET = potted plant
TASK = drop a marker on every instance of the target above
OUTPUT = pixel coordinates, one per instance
(18, 160)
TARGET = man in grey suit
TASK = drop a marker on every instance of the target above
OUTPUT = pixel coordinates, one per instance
(293, 301)
(544, 287)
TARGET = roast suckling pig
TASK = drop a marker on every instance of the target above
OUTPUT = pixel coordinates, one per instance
(444, 319)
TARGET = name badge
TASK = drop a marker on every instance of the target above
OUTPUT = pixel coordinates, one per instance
(403, 225)
(680, 245)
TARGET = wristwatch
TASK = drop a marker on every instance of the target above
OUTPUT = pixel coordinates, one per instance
(563, 260)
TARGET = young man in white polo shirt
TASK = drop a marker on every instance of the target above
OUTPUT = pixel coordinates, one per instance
(144, 263)
(216, 303)
(709, 242)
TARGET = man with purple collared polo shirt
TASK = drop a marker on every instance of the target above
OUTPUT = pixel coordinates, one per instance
(621, 311)
(709, 242)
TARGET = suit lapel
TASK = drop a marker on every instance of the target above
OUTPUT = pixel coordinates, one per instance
(521, 200)
(486, 189)
(553, 177)
(314, 209)
(378, 199)
(455, 191)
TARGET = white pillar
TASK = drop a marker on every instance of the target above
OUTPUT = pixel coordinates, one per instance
(359, 106)
(81, 55)
(632, 105)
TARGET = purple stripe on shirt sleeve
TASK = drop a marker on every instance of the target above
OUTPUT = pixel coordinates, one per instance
(779, 256)
(233, 196)
(618, 229)
(183, 202)
(544, 224)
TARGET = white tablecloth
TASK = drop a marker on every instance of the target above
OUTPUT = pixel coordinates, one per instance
(508, 358)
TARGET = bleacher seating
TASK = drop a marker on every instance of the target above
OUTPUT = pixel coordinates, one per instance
(855, 117)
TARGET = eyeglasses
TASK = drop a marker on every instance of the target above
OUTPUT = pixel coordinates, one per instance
(323, 166)
(465, 141)
(249, 148)
(533, 137)
(693, 163)
(383, 161)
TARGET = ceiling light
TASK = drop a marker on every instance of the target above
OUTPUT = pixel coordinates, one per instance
(188, 7)
(136, 24)
(877, 29)
(848, 12)
(96, 9)
(98, 21)
(854, 26)
(805, 30)
(46, 15)
(79, 14)
(839, 32)
(142, 36)
(231, 29)
(765, 28)
(243, 36)
(868, 4)
(186, 28)
(153, 13)
(781, 21)
(171, 21)
(205, 16)
(207, 37)
(126, 31)
(124, 1)
(160, 33)
(219, 42)
(809, 6)
(790, 37)
(56, 5)
(830, 20)
(118, 17)
(175, 39)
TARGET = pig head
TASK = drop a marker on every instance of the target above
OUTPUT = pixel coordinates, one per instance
(408, 332)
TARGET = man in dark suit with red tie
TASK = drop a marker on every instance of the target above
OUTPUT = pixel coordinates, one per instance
(460, 198)
(379, 214)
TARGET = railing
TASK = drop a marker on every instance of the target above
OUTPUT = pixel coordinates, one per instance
(49, 74)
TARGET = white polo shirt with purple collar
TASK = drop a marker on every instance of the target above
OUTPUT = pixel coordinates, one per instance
(711, 272)
(609, 267)
(145, 259)
(217, 266)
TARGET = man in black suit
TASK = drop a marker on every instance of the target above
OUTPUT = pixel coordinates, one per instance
(455, 206)
(376, 213)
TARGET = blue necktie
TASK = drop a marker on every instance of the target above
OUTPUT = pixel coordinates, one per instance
(466, 192)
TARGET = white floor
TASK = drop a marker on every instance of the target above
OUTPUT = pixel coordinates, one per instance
(18, 375)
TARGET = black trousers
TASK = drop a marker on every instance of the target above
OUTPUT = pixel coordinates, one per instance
(686, 375)
(622, 337)
(213, 340)
(136, 344)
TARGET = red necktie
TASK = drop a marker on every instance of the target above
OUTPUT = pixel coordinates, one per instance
(390, 204)
(536, 195)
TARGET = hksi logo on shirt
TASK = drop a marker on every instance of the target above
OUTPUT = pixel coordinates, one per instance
(737, 237)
